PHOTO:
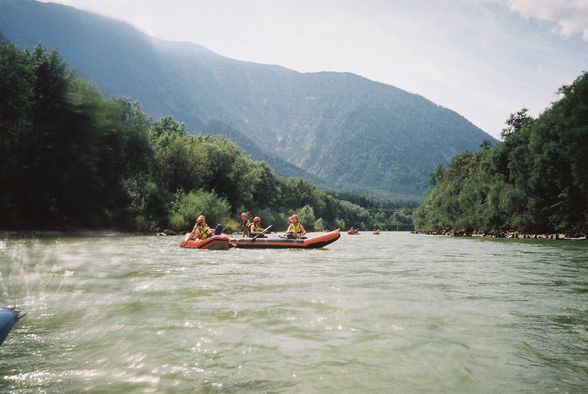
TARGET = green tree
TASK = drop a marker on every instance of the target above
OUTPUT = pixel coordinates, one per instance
(516, 122)
(306, 216)
(190, 205)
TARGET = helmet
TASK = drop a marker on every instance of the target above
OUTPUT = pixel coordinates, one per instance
(200, 219)
(256, 219)
(243, 216)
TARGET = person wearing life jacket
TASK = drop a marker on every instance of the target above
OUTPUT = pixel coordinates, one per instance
(295, 229)
(255, 228)
(245, 224)
(202, 231)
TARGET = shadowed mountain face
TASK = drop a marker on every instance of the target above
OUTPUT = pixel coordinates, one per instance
(344, 131)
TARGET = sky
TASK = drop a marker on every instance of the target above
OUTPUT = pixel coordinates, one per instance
(484, 59)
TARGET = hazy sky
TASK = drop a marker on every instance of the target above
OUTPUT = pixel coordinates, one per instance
(482, 58)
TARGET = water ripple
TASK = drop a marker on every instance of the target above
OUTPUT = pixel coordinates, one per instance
(393, 313)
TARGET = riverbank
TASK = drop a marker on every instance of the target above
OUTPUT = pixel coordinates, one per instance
(508, 235)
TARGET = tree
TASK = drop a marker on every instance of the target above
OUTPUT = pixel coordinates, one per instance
(516, 122)
(306, 216)
(437, 176)
(190, 205)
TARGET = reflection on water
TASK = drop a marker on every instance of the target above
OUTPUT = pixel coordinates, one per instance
(393, 313)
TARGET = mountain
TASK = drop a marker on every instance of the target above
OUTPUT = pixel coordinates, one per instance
(282, 167)
(344, 130)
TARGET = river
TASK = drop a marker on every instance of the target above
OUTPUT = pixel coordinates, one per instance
(394, 313)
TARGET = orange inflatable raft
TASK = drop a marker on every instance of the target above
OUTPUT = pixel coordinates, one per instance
(216, 242)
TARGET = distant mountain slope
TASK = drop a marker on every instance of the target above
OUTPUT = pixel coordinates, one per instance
(343, 129)
(280, 166)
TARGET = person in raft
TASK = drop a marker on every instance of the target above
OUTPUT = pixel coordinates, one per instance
(295, 229)
(202, 231)
(245, 224)
(255, 229)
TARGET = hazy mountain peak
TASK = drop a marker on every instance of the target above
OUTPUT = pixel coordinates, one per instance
(342, 128)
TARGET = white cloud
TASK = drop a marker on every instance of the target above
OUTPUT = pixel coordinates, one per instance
(571, 16)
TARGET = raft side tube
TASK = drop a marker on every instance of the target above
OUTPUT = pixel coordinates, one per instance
(8, 318)
(318, 241)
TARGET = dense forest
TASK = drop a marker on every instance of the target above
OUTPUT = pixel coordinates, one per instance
(71, 158)
(536, 181)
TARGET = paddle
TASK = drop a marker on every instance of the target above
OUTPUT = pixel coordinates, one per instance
(263, 231)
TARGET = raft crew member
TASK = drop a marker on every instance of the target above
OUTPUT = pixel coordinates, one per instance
(202, 231)
(255, 228)
(245, 224)
(295, 229)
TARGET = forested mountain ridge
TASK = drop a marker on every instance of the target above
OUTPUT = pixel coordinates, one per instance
(346, 130)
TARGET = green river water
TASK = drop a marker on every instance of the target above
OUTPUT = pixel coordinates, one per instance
(394, 313)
